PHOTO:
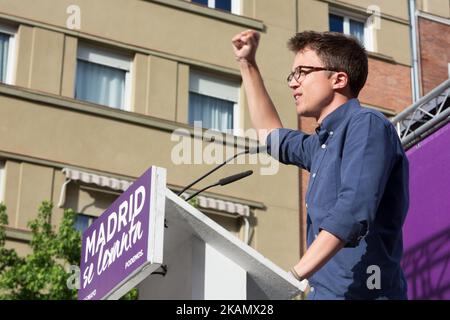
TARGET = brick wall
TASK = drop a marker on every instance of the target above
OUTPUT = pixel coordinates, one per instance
(434, 42)
(388, 86)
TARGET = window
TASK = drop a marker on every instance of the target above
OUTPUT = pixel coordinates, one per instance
(103, 77)
(233, 6)
(213, 101)
(7, 44)
(2, 181)
(352, 25)
(83, 221)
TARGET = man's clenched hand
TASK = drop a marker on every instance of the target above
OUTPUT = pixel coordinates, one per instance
(245, 45)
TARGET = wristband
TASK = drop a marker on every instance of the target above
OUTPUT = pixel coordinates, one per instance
(295, 274)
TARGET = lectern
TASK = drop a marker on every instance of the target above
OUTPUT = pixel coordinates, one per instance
(149, 227)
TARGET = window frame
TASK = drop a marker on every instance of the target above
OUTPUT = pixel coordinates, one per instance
(235, 6)
(364, 19)
(212, 86)
(10, 69)
(110, 58)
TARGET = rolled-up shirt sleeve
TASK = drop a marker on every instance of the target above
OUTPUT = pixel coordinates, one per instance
(291, 147)
(367, 161)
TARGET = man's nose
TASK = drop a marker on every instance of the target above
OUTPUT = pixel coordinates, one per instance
(293, 84)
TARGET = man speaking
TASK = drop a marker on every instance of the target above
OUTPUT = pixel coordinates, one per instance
(357, 197)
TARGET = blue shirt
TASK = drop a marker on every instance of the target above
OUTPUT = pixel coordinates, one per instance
(358, 191)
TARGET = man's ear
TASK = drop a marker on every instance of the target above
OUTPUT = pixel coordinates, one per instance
(340, 80)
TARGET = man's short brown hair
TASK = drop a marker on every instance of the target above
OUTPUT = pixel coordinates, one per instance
(337, 51)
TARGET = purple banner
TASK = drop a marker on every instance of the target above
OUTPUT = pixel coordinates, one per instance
(116, 244)
(426, 232)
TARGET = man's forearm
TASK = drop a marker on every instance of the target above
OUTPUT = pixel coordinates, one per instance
(323, 248)
(263, 114)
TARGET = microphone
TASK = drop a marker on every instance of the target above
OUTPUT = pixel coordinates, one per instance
(252, 150)
(224, 181)
(235, 177)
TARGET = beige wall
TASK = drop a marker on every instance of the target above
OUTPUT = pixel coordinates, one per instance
(275, 14)
(24, 50)
(182, 93)
(42, 53)
(162, 92)
(52, 69)
(167, 43)
(317, 21)
(393, 41)
(154, 91)
(22, 248)
(102, 144)
(161, 28)
(67, 88)
(436, 7)
(27, 185)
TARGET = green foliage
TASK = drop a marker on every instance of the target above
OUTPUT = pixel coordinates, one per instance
(131, 295)
(193, 202)
(42, 274)
(8, 257)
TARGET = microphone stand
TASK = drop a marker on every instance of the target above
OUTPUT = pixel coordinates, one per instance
(224, 181)
(251, 150)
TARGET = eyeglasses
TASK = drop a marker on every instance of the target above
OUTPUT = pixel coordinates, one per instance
(301, 73)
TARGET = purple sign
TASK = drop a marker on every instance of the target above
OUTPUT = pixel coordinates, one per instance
(426, 233)
(123, 240)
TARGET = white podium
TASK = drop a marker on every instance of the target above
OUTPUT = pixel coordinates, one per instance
(127, 244)
(205, 261)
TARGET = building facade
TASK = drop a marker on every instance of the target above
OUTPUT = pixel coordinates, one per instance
(433, 26)
(93, 92)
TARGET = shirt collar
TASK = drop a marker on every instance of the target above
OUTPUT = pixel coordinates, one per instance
(322, 133)
(334, 119)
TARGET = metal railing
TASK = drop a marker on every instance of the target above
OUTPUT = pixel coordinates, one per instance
(425, 116)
